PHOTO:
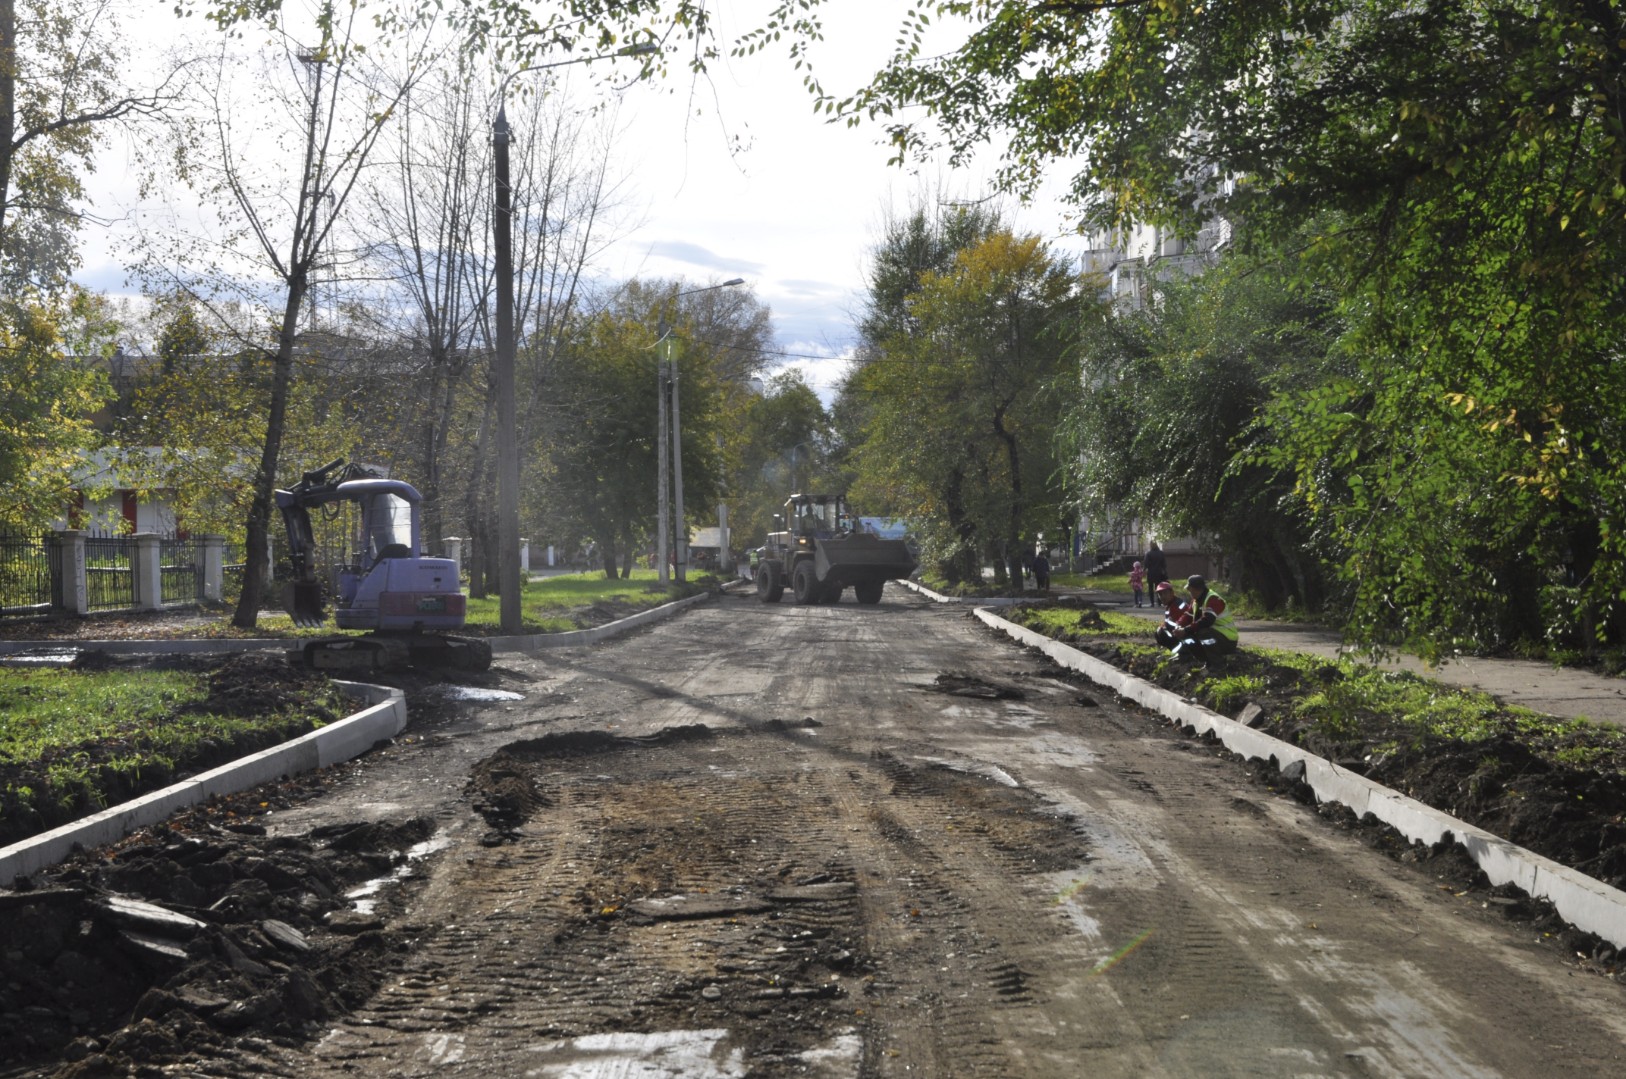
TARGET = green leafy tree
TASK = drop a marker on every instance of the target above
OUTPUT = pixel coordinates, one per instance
(776, 447)
(601, 453)
(1173, 391)
(1458, 171)
(49, 396)
(64, 83)
(964, 404)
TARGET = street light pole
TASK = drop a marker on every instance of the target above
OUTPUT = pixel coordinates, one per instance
(502, 370)
(668, 359)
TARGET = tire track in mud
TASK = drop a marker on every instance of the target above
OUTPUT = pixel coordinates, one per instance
(737, 882)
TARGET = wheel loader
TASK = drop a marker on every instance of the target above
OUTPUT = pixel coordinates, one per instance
(385, 585)
(818, 552)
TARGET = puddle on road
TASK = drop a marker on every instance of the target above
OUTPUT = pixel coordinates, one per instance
(479, 694)
(362, 896)
(62, 658)
(679, 1054)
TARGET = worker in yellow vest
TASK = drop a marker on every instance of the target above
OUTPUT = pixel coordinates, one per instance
(1212, 633)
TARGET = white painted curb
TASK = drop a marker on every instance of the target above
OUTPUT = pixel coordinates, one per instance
(383, 718)
(1582, 901)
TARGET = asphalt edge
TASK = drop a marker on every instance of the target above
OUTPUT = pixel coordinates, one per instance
(1584, 902)
(384, 717)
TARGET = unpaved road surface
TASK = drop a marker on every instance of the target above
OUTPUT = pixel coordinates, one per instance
(879, 841)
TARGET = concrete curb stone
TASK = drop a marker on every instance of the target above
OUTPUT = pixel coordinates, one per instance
(1584, 902)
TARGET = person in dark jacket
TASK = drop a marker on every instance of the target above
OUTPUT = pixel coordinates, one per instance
(1157, 566)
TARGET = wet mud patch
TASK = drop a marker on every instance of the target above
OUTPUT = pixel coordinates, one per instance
(1026, 831)
(957, 684)
(732, 881)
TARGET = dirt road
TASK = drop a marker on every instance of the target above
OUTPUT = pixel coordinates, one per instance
(876, 841)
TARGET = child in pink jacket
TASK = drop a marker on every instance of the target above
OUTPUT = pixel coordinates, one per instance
(1137, 582)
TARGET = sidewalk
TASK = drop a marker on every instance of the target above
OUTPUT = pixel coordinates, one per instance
(1553, 691)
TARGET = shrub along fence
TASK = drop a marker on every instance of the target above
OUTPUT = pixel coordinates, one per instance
(72, 573)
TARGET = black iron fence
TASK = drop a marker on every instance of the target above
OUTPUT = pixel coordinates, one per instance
(180, 571)
(25, 575)
(109, 581)
(34, 581)
(231, 572)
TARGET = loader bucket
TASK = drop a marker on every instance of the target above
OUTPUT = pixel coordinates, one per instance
(303, 601)
(862, 557)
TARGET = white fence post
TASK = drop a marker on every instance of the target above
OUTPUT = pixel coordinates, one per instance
(70, 588)
(454, 551)
(146, 567)
(213, 582)
(525, 556)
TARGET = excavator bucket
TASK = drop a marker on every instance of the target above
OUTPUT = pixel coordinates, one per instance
(303, 601)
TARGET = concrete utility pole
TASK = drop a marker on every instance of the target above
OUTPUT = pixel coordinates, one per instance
(667, 358)
(502, 370)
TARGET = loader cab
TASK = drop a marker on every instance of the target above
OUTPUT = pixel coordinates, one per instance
(816, 516)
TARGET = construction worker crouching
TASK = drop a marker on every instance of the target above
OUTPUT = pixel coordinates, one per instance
(1212, 633)
(1176, 616)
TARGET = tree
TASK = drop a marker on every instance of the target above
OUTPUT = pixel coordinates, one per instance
(62, 85)
(48, 394)
(778, 446)
(601, 457)
(1174, 390)
(280, 186)
(965, 403)
(1458, 170)
(193, 415)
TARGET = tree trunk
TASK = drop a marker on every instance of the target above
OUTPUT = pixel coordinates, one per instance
(8, 109)
(265, 477)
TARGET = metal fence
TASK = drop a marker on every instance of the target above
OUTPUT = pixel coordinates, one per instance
(180, 570)
(109, 580)
(25, 575)
(231, 570)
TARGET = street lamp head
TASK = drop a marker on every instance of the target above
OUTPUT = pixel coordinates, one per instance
(730, 284)
(643, 48)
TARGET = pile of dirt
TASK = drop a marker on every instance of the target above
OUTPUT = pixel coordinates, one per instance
(178, 940)
(1561, 794)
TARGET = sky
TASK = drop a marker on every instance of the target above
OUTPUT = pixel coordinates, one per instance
(796, 212)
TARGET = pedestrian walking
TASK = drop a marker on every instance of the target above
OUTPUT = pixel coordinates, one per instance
(1137, 582)
(1041, 571)
(1157, 565)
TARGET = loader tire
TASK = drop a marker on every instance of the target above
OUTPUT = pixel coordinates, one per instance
(869, 591)
(770, 582)
(804, 583)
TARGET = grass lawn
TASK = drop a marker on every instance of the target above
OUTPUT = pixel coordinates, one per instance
(579, 600)
(74, 741)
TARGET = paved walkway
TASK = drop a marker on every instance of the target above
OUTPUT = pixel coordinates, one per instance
(1540, 687)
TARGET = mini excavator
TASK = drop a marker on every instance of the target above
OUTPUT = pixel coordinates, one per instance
(405, 600)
